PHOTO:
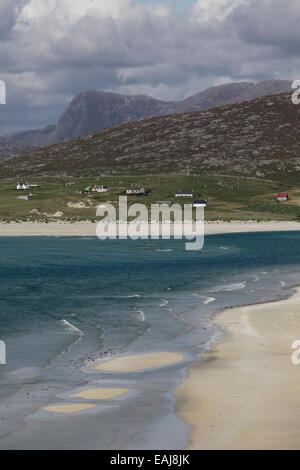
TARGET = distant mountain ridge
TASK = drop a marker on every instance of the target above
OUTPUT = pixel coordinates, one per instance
(256, 138)
(91, 111)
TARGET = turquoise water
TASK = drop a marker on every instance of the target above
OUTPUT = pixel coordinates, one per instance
(66, 302)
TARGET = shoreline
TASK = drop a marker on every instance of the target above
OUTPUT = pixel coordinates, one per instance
(88, 229)
(245, 392)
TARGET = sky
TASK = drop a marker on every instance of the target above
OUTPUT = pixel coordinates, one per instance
(50, 50)
(179, 5)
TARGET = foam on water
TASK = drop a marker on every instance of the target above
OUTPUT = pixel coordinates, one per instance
(229, 287)
(71, 328)
(140, 315)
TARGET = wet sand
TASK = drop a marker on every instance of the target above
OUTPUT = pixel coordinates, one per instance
(100, 393)
(138, 362)
(69, 408)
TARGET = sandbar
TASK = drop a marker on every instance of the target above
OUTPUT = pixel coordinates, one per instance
(100, 393)
(139, 362)
(69, 408)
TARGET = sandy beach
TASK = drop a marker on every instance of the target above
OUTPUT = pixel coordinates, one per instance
(245, 394)
(88, 229)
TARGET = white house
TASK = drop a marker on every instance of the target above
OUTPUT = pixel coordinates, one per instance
(184, 194)
(136, 190)
(200, 203)
(23, 186)
(99, 189)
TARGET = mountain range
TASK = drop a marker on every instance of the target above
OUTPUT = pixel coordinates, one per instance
(257, 137)
(91, 111)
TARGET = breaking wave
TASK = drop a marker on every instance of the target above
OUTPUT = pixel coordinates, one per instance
(69, 327)
(230, 287)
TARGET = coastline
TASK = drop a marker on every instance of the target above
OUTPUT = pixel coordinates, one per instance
(87, 228)
(245, 393)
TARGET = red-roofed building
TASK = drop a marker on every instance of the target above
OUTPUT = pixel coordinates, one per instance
(281, 197)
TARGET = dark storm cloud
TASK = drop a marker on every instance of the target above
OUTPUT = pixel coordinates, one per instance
(55, 49)
(274, 23)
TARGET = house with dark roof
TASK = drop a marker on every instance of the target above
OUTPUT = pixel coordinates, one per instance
(184, 194)
(135, 191)
(200, 203)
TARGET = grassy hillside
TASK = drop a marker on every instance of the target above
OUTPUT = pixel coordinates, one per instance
(256, 138)
(229, 197)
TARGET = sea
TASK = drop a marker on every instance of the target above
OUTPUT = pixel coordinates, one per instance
(67, 303)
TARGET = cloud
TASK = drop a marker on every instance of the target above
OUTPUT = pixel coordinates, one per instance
(215, 10)
(9, 12)
(50, 51)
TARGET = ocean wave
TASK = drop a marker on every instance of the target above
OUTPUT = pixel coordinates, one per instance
(121, 296)
(205, 300)
(70, 327)
(164, 251)
(208, 300)
(164, 302)
(229, 287)
(215, 337)
(223, 248)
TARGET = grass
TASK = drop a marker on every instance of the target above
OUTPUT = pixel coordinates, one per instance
(229, 197)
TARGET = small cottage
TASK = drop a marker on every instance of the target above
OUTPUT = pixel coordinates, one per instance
(22, 186)
(136, 191)
(200, 203)
(281, 197)
(184, 194)
(99, 189)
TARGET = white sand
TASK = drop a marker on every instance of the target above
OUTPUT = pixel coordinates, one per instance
(139, 362)
(60, 228)
(245, 394)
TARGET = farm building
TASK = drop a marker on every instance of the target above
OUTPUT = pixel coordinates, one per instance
(184, 194)
(136, 190)
(200, 203)
(99, 189)
(281, 197)
(23, 186)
